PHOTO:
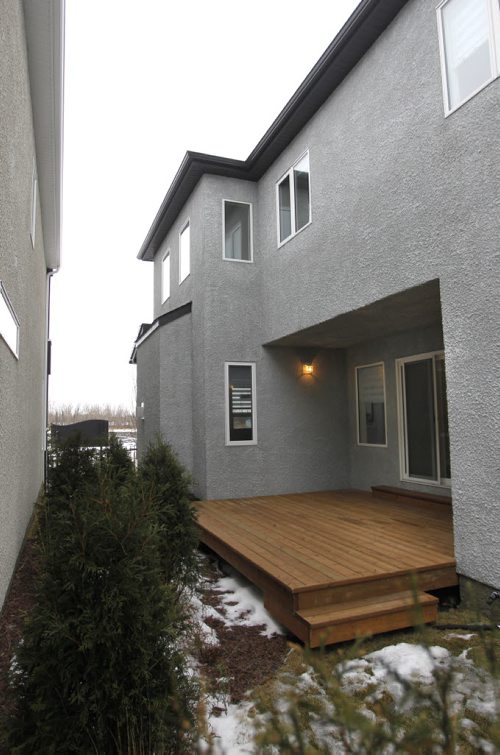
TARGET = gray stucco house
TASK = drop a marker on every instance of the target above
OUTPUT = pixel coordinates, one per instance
(31, 107)
(327, 311)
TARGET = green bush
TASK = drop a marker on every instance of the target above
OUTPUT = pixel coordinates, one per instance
(163, 475)
(99, 669)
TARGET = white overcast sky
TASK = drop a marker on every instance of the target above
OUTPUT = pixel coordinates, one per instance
(147, 80)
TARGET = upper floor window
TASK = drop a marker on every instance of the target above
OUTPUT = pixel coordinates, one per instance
(165, 277)
(237, 240)
(184, 252)
(9, 324)
(469, 36)
(294, 200)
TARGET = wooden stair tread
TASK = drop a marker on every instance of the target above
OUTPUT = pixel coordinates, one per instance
(356, 609)
(414, 495)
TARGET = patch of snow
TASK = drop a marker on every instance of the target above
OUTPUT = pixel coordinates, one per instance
(459, 636)
(243, 605)
(232, 732)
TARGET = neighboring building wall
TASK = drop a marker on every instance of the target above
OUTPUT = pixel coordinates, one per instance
(22, 270)
(370, 465)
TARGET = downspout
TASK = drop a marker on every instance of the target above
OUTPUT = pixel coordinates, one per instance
(47, 360)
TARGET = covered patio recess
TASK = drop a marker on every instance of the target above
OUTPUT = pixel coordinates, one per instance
(336, 565)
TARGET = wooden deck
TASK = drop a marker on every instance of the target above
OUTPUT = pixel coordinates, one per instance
(334, 565)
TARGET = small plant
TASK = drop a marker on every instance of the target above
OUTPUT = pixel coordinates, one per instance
(99, 669)
(162, 474)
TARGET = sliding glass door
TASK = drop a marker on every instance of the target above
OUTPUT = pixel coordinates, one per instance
(424, 439)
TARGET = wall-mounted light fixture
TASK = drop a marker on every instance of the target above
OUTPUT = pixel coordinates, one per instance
(306, 357)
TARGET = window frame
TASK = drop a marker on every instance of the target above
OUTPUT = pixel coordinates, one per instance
(185, 225)
(250, 220)
(289, 174)
(4, 295)
(493, 11)
(359, 443)
(162, 276)
(404, 476)
(228, 440)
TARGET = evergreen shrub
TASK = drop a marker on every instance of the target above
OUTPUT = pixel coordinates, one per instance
(99, 669)
(163, 475)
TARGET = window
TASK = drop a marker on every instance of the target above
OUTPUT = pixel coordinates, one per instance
(165, 277)
(469, 32)
(184, 252)
(9, 324)
(241, 426)
(237, 242)
(34, 197)
(370, 392)
(423, 417)
(294, 200)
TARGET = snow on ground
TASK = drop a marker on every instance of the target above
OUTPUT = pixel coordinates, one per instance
(243, 605)
(389, 669)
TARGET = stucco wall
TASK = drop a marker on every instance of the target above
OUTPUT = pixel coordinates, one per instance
(148, 391)
(22, 270)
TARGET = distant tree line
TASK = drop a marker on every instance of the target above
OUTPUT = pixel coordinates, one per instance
(117, 416)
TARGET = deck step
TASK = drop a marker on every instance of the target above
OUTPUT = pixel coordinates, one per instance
(404, 494)
(337, 623)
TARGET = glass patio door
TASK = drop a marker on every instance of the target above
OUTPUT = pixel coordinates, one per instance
(424, 442)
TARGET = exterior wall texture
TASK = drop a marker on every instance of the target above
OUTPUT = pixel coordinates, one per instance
(401, 196)
(22, 270)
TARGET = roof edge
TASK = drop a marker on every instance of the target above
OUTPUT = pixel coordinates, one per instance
(348, 46)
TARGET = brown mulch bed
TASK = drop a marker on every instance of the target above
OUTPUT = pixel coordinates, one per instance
(244, 657)
(16, 607)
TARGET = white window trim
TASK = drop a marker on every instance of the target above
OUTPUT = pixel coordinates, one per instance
(236, 201)
(183, 228)
(5, 297)
(34, 197)
(162, 297)
(289, 173)
(229, 442)
(371, 445)
(494, 39)
(403, 451)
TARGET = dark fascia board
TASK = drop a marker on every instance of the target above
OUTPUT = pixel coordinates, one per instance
(147, 328)
(364, 26)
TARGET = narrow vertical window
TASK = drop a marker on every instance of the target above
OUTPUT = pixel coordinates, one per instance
(9, 324)
(370, 388)
(294, 200)
(184, 253)
(237, 231)
(285, 208)
(165, 277)
(34, 196)
(467, 40)
(301, 187)
(240, 404)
